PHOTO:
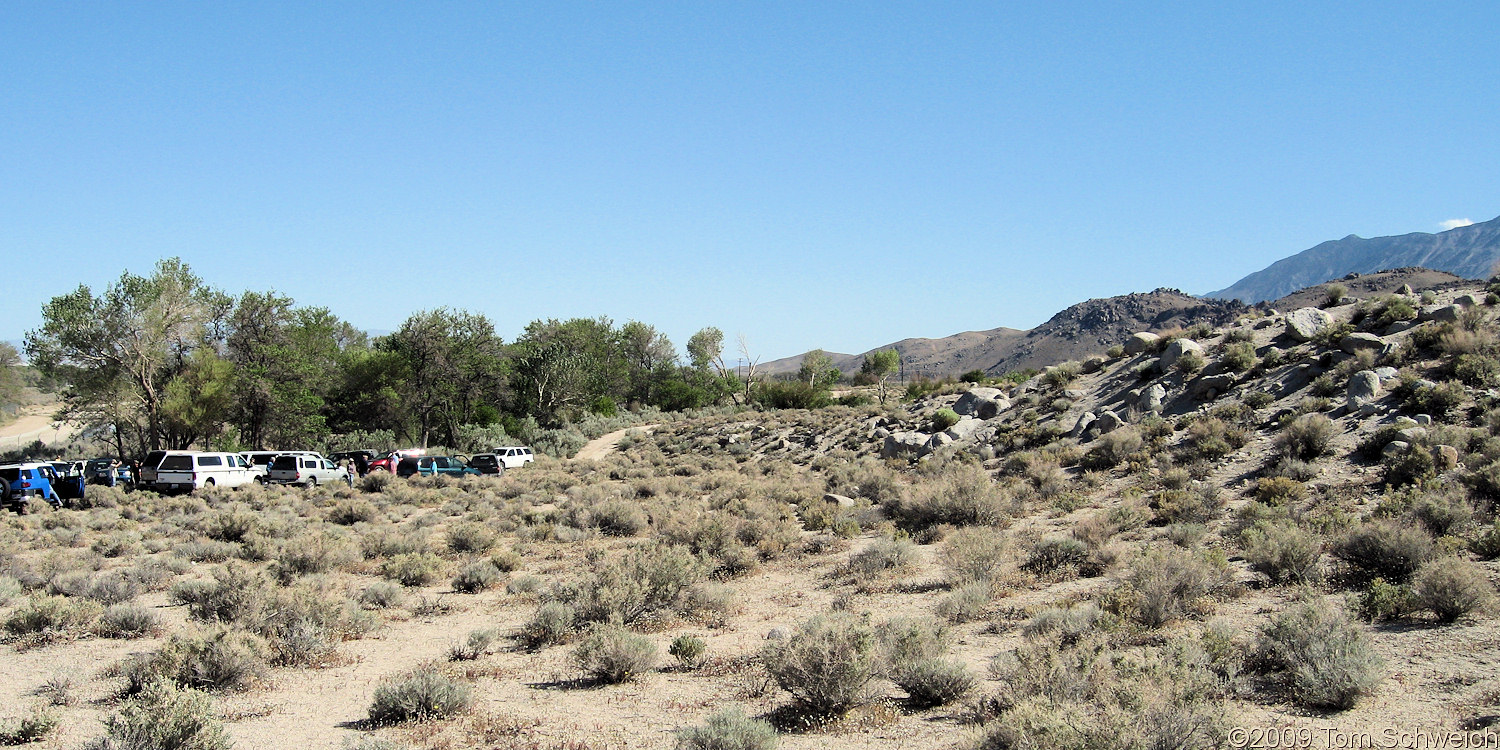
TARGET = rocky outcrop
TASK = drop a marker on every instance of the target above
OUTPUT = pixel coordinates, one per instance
(1304, 324)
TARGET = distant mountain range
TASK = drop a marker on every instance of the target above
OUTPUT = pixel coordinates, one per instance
(1470, 252)
(1081, 330)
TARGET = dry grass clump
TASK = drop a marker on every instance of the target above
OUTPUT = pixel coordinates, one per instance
(729, 729)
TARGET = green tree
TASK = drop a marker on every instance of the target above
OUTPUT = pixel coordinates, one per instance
(115, 353)
(818, 370)
(562, 368)
(198, 399)
(452, 363)
(881, 365)
(650, 359)
(11, 383)
(287, 361)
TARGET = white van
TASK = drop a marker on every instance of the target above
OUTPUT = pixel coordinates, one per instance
(185, 471)
(307, 469)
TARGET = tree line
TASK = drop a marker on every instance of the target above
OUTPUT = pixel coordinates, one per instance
(165, 361)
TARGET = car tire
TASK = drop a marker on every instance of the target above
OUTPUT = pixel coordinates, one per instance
(378, 470)
(260, 481)
(209, 482)
(312, 482)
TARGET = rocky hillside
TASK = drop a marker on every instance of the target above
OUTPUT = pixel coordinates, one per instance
(1470, 252)
(1079, 331)
(1372, 285)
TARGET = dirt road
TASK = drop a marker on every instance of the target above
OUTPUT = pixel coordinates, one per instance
(605, 444)
(35, 423)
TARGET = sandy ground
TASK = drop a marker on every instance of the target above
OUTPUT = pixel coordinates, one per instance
(35, 423)
(605, 444)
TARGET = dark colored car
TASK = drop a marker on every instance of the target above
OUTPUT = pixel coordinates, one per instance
(98, 471)
(488, 464)
(67, 479)
(429, 465)
(361, 459)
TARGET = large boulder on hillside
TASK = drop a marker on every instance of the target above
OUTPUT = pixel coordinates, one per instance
(908, 443)
(1364, 387)
(989, 409)
(1108, 422)
(1212, 386)
(1440, 313)
(964, 428)
(1144, 341)
(1304, 324)
(1466, 300)
(1357, 342)
(1085, 421)
(1151, 399)
(969, 402)
(1176, 350)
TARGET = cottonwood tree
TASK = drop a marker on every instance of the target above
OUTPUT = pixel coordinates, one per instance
(818, 371)
(116, 352)
(880, 365)
(286, 361)
(650, 359)
(451, 363)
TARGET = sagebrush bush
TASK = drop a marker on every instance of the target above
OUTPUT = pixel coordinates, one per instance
(826, 664)
(1384, 549)
(688, 650)
(128, 621)
(644, 580)
(424, 693)
(933, 682)
(163, 716)
(476, 577)
(882, 556)
(1383, 601)
(413, 569)
(381, 595)
(1307, 437)
(973, 554)
(236, 594)
(221, 659)
(52, 617)
(1283, 551)
(1056, 553)
(611, 654)
(1066, 624)
(1452, 588)
(473, 646)
(1326, 660)
(1171, 584)
(470, 537)
(553, 622)
(28, 729)
(942, 419)
(967, 603)
(1279, 491)
(1114, 448)
(729, 729)
(961, 494)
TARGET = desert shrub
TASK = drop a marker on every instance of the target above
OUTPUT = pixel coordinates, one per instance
(163, 716)
(1307, 437)
(1190, 362)
(112, 587)
(422, 694)
(1171, 584)
(1196, 506)
(1238, 356)
(883, 555)
(523, 585)
(10, 588)
(473, 646)
(688, 650)
(618, 518)
(229, 525)
(52, 617)
(1114, 448)
(933, 682)
(507, 560)
(1055, 553)
(413, 569)
(128, 621)
(942, 419)
(865, 478)
(611, 654)
(236, 594)
(1384, 549)
(29, 729)
(357, 510)
(1436, 399)
(221, 659)
(1066, 624)
(729, 729)
(553, 622)
(377, 481)
(1334, 294)
(1487, 543)
(973, 554)
(309, 554)
(1283, 551)
(1060, 375)
(470, 537)
(646, 579)
(1326, 661)
(476, 577)
(1441, 512)
(962, 494)
(1477, 370)
(1452, 588)
(1383, 601)
(1413, 466)
(1280, 491)
(381, 595)
(966, 603)
(827, 664)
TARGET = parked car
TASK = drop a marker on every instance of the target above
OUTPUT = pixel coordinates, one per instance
(185, 471)
(67, 479)
(98, 471)
(488, 464)
(306, 469)
(392, 460)
(427, 466)
(25, 481)
(148, 468)
(514, 457)
(260, 463)
(360, 458)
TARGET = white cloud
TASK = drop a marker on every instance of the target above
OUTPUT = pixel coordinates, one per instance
(1455, 223)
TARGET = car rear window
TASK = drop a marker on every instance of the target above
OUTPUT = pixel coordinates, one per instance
(176, 463)
(285, 463)
(10, 475)
(153, 459)
(481, 461)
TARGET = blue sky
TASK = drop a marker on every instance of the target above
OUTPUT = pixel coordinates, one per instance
(835, 175)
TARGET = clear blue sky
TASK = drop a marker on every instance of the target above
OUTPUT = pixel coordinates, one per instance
(835, 175)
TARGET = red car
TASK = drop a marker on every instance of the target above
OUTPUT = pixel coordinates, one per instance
(389, 461)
